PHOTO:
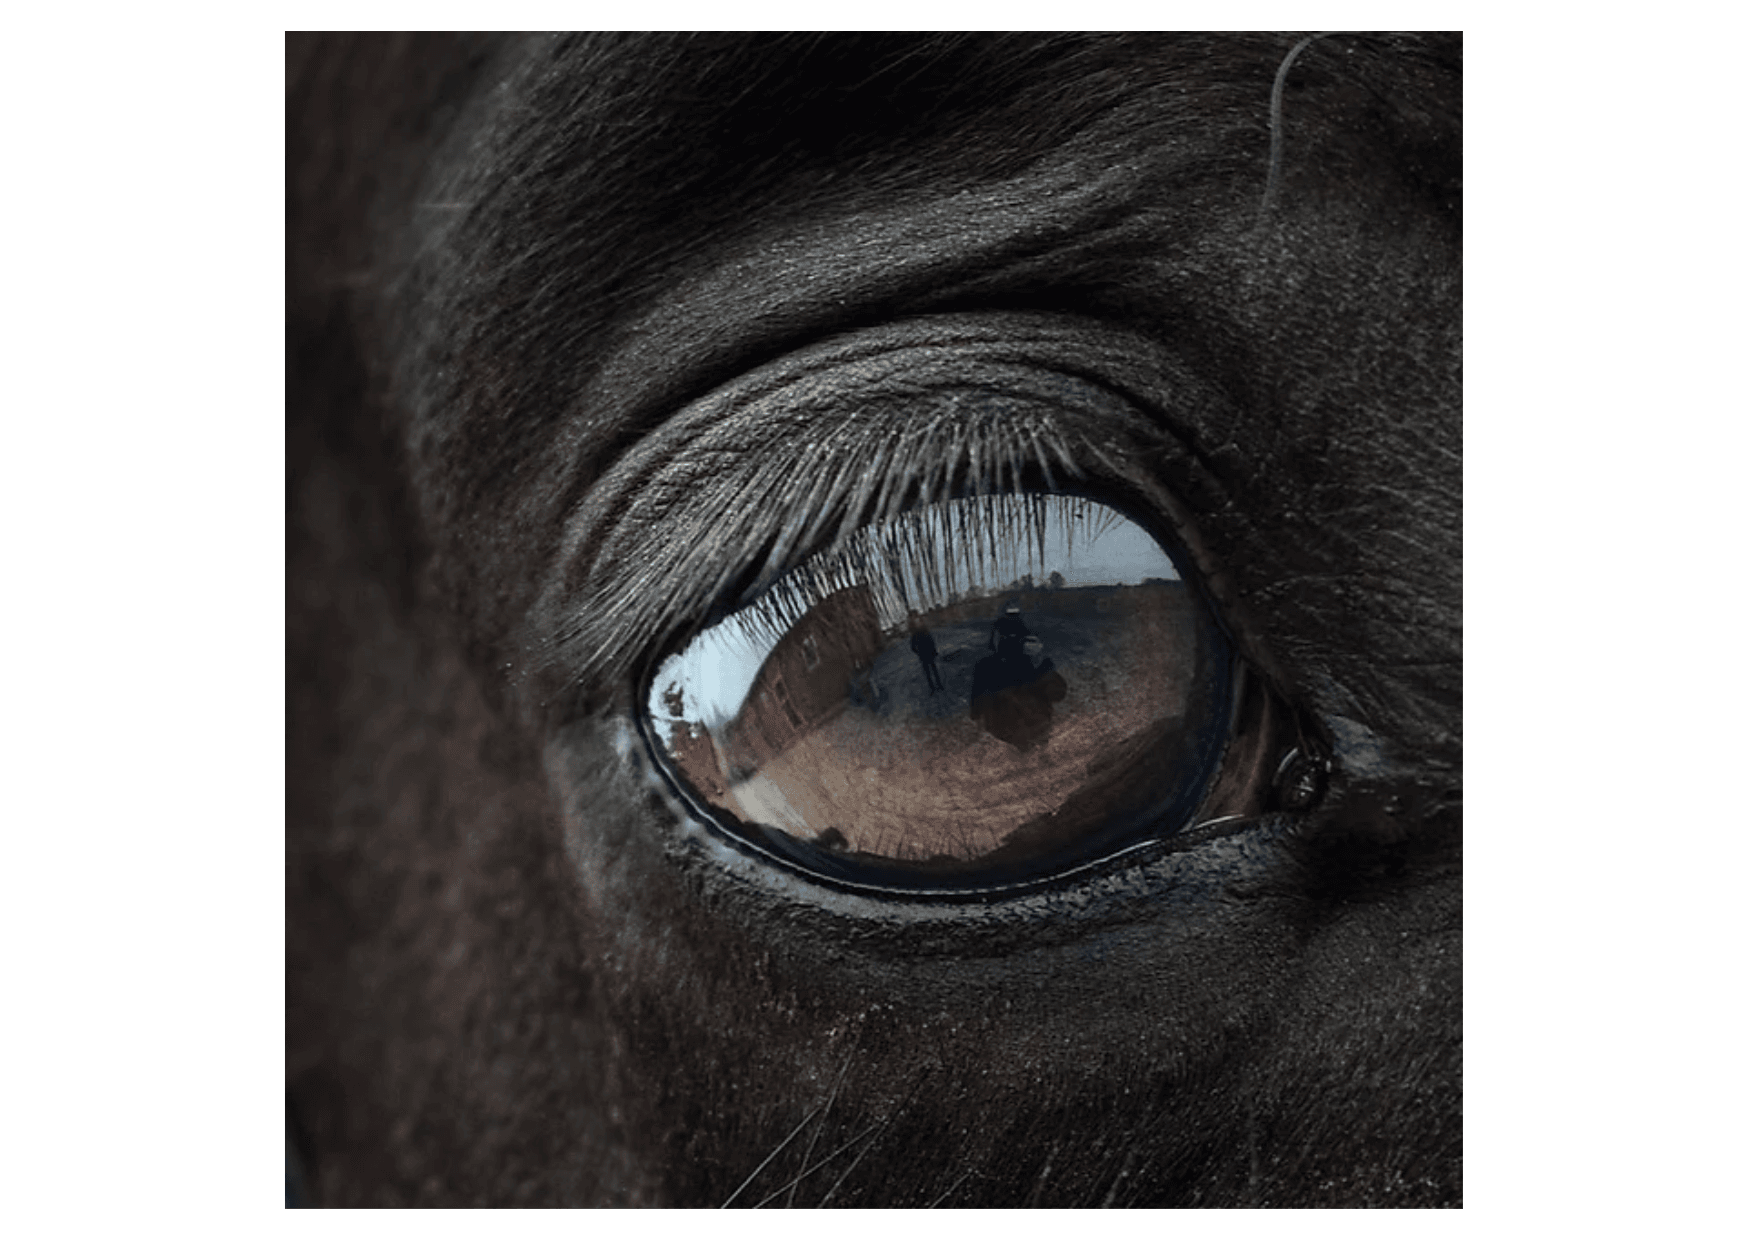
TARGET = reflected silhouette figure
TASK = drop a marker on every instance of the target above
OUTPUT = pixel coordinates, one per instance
(1011, 697)
(1008, 637)
(922, 644)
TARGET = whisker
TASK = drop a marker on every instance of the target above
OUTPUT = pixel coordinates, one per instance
(838, 1183)
(963, 1176)
(768, 1157)
(1277, 133)
(814, 1139)
(807, 1171)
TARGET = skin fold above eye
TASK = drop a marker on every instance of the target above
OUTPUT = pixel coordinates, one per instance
(975, 691)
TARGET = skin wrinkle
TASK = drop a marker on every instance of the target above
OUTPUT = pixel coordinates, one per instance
(766, 274)
(595, 1005)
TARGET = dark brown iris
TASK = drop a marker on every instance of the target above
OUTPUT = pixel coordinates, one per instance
(983, 687)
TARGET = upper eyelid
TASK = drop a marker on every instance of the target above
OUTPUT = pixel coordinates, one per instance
(772, 470)
(688, 535)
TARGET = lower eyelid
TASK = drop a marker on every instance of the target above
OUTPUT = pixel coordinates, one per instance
(1173, 879)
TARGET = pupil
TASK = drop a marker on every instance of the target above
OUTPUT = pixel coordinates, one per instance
(977, 692)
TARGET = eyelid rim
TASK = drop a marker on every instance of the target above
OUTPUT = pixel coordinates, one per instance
(1137, 408)
(1144, 850)
(1171, 881)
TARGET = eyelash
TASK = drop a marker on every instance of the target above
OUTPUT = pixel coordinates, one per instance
(708, 514)
(742, 533)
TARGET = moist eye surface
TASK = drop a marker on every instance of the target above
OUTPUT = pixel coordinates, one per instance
(979, 692)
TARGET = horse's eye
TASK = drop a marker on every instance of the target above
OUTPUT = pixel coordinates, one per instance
(977, 694)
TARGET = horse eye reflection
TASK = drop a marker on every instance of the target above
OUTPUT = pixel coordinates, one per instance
(992, 685)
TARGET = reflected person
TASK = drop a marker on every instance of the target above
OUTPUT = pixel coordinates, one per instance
(922, 644)
(1012, 698)
(1008, 637)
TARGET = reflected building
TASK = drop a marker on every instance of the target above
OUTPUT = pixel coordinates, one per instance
(811, 675)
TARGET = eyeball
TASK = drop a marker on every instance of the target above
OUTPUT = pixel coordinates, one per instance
(976, 694)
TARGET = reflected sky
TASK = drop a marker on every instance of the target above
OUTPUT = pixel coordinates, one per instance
(1087, 543)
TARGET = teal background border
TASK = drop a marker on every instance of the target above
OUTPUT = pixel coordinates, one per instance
(142, 490)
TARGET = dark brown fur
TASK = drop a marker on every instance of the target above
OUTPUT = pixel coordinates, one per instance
(519, 273)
